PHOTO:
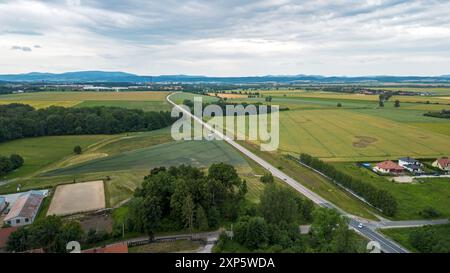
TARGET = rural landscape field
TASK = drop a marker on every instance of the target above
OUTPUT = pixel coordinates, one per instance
(356, 131)
(252, 131)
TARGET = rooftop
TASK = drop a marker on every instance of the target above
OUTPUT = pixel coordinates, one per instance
(114, 248)
(412, 166)
(25, 206)
(444, 162)
(389, 165)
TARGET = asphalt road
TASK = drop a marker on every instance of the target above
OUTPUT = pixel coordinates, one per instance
(368, 231)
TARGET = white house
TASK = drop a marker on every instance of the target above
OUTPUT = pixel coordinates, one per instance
(410, 164)
(408, 161)
(24, 210)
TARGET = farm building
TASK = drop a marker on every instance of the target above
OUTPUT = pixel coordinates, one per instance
(2, 203)
(4, 235)
(388, 167)
(443, 164)
(410, 164)
(25, 208)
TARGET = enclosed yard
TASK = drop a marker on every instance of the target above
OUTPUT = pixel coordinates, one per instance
(77, 198)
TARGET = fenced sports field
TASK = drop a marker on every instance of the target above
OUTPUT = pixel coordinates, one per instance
(77, 198)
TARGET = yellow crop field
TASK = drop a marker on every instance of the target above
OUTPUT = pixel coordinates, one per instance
(38, 104)
(86, 96)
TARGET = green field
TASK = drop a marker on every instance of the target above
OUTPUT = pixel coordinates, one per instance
(411, 198)
(142, 105)
(195, 153)
(401, 235)
(41, 152)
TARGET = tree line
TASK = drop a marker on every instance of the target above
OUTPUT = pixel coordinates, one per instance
(273, 226)
(223, 105)
(378, 198)
(185, 197)
(9, 164)
(20, 120)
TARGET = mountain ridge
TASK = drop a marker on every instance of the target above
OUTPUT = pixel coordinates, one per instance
(98, 76)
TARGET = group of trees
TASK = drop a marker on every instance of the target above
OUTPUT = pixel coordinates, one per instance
(383, 97)
(8, 164)
(223, 104)
(274, 226)
(380, 199)
(427, 240)
(442, 114)
(185, 197)
(267, 178)
(19, 120)
(50, 233)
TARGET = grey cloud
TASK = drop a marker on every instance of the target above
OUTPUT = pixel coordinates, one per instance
(318, 31)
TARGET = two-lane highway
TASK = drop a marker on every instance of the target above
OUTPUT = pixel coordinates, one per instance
(387, 245)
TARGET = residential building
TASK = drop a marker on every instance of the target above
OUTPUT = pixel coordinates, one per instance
(388, 167)
(410, 164)
(408, 161)
(25, 209)
(442, 163)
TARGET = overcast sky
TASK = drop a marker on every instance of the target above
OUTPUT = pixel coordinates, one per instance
(227, 37)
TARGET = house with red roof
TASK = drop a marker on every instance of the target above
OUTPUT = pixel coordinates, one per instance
(388, 167)
(442, 163)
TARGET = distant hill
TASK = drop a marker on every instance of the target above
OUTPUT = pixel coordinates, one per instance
(108, 77)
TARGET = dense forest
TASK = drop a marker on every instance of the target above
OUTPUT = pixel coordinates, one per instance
(186, 198)
(19, 121)
(380, 199)
(9, 164)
